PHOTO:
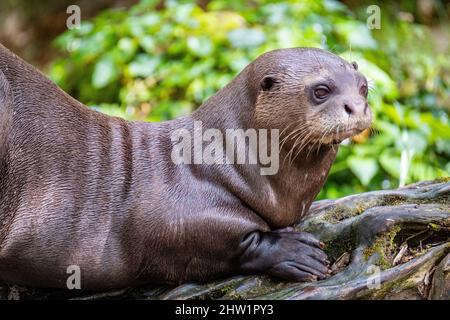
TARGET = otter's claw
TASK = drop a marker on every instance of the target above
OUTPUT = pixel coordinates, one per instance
(293, 256)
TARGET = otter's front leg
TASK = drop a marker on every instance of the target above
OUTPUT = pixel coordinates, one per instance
(292, 256)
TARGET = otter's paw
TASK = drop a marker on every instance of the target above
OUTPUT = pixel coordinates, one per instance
(292, 256)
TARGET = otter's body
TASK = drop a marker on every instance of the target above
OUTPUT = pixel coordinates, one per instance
(81, 188)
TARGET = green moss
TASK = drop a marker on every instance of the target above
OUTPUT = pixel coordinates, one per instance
(339, 213)
(226, 289)
(216, 293)
(434, 227)
(360, 209)
(394, 200)
(335, 215)
(235, 296)
(445, 223)
(384, 246)
(335, 248)
(442, 180)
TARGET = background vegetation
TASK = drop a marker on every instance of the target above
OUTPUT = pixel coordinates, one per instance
(159, 60)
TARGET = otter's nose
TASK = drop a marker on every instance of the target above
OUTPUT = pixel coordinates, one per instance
(355, 108)
(349, 108)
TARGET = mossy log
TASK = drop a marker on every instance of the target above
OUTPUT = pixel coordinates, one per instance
(390, 244)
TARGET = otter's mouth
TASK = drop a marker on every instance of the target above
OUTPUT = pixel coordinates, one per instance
(337, 138)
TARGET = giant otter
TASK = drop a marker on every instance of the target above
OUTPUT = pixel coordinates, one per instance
(78, 187)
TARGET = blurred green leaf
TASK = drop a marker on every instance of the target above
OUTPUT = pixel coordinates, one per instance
(364, 168)
(390, 163)
(143, 66)
(246, 38)
(356, 34)
(105, 72)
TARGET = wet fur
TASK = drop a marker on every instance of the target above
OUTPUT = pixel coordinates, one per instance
(78, 187)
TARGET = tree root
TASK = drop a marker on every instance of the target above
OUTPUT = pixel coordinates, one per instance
(392, 244)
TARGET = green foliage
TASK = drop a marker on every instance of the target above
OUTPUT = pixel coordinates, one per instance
(154, 65)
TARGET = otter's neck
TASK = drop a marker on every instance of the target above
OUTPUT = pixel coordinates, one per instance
(297, 184)
(280, 199)
(230, 108)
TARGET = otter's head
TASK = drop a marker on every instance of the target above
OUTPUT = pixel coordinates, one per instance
(312, 96)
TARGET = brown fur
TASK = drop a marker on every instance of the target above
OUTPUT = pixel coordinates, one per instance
(78, 187)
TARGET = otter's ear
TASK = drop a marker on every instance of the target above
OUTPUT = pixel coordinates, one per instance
(267, 83)
(355, 65)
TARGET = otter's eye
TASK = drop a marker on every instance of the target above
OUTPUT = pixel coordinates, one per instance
(363, 90)
(267, 83)
(321, 92)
